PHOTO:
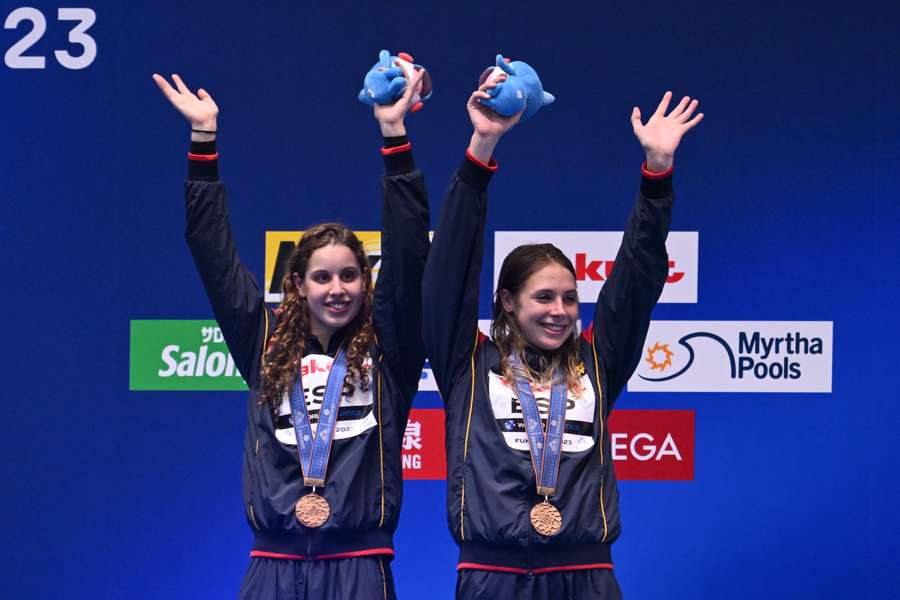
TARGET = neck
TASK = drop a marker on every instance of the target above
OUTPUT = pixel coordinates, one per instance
(323, 335)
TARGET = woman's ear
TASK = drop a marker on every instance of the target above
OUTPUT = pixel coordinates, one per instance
(298, 283)
(506, 299)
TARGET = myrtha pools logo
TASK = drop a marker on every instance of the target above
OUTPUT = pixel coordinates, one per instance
(731, 356)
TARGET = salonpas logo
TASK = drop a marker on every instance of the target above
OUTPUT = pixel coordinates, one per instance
(280, 244)
(731, 356)
(181, 355)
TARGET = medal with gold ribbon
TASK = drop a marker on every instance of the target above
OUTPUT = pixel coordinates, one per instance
(312, 510)
(545, 450)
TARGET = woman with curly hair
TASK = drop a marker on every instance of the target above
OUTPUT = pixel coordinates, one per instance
(334, 367)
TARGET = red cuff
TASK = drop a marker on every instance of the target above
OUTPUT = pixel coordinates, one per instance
(651, 175)
(396, 149)
(491, 166)
(207, 157)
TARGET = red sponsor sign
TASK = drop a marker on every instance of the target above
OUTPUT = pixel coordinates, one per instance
(423, 445)
(647, 445)
(653, 444)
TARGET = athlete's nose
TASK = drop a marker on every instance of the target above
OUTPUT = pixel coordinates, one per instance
(557, 307)
(337, 286)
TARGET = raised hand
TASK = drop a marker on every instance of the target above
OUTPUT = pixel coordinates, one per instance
(662, 133)
(199, 109)
(390, 116)
(488, 125)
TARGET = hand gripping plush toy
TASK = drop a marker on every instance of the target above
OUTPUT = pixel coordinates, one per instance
(521, 90)
(385, 83)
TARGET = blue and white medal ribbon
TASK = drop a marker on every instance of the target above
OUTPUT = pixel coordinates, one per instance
(545, 450)
(312, 510)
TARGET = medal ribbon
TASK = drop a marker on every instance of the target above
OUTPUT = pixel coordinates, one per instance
(315, 450)
(545, 450)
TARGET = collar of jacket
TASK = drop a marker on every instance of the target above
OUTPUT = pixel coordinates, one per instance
(314, 346)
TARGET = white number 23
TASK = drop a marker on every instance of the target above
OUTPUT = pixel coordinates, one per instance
(15, 57)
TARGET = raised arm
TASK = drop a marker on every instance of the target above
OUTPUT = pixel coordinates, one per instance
(624, 306)
(235, 297)
(452, 274)
(404, 245)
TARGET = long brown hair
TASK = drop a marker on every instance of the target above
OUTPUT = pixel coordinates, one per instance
(281, 362)
(518, 266)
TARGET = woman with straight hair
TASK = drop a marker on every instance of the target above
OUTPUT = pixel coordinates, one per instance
(531, 493)
(334, 367)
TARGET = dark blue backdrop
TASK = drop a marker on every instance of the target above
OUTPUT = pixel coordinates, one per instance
(790, 180)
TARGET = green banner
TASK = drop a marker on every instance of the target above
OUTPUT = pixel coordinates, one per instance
(181, 355)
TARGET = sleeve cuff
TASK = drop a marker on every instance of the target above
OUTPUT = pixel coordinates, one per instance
(397, 159)
(203, 161)
(656, 185)
(476, 173)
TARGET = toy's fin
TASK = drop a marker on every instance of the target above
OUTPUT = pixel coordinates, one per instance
(384, 59)
(503, 64)
(549, 98)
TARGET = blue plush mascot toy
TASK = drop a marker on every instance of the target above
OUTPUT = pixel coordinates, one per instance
(385, 83)
(521, 90)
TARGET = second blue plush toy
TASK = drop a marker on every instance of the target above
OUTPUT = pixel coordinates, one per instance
(521, 90)
(385, 83)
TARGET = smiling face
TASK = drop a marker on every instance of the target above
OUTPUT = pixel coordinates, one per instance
(546, 306)
(334, 287)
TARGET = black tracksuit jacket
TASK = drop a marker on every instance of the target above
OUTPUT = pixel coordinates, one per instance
(364, 484)
(490, 481)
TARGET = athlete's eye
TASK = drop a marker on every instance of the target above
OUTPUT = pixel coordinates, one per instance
(321, 277)
(543, 298)
(348, 275)
(570, 299)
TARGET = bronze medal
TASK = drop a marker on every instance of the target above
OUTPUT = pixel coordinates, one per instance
(312, 510)
(545, 519)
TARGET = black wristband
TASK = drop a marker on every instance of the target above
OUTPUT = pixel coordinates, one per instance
(394, 141)
(203, 147)
(203, 131)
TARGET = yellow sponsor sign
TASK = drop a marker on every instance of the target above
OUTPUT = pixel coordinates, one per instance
(280, 244)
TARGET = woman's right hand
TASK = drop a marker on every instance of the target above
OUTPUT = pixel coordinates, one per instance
(488, 126)
(200, 110)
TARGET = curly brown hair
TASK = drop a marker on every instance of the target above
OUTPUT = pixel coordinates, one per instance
(518, 266)
(281, 362)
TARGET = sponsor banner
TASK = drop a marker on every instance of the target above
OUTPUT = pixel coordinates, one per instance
(647, 445)
(423, 445)
(655, 445)
(280, 244)
(427, 382)
(736, 356)
(593, 255)
(181, 355)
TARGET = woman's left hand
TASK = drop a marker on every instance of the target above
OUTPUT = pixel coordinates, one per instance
(662, 133)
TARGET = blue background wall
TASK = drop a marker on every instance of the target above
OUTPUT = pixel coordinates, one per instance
(791, 181)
